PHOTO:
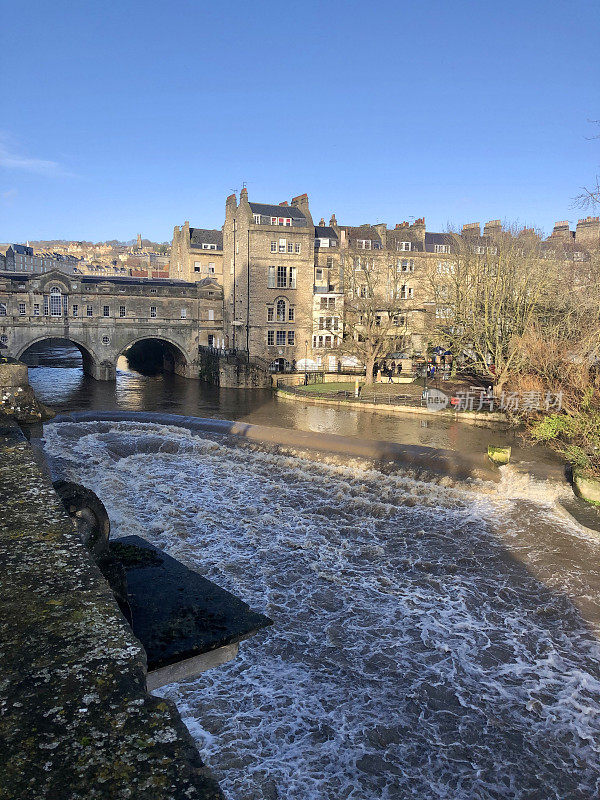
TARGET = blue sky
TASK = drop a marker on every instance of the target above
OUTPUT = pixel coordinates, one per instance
(134, 116)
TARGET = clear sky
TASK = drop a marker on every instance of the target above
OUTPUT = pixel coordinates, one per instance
(128, 117)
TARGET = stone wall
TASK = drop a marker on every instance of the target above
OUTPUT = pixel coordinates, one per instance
(77, 722)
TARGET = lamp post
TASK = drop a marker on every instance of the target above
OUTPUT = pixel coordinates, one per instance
(305, 362)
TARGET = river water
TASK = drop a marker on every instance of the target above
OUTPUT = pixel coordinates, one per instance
(431, 639)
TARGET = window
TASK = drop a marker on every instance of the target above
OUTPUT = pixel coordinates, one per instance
(318, 275)
(281, 277)
(121, 311)
(22, 309)
(478, 250)
(290, 247)
(152, 291)
(273, 247)
(406, 292)
(211, 339)
(4, 338)
(206, 246)
(291, 314)
(363, 244)
(75, 310)
(378, 319)
(270, 313)
(105, 340)
(89, 311)
(405, 246)
(36, 309)
(408, 265)
(281, 338)
(270, 337)
(330, 261)
(291, 337)
(281, 311)
(271, 278)
(55, 302)
(328, 302)
(211, 314)
(183, 314)
(211, 268)
(296, 248)
(152, 311)
(442, 248)
(282, 243)
(196, 266)
(106, 311)
(2, 309)
(257, 219)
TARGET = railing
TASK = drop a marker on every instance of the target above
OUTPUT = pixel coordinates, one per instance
(231, 355)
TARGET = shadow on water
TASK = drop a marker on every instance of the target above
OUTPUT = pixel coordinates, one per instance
(430, 640)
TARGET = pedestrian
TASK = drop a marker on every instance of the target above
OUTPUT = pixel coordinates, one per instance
(390, 376)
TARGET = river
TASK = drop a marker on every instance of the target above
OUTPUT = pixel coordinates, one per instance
(431, 639)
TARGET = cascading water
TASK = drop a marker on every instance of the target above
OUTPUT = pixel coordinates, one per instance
(431, 640)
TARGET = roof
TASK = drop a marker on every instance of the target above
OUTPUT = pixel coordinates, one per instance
(431, 239)
(22, 249)
(200, 236)
(277, 211)
(121, 279)
(363, 232)
(324, 232)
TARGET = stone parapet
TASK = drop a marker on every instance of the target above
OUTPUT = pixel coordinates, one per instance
(76, 720)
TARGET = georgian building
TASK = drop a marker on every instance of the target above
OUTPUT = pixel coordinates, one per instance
(196, 253)
(287, 282)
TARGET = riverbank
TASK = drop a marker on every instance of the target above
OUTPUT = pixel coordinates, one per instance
(383, 402)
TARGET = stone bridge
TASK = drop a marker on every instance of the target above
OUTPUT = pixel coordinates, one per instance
(104, 317)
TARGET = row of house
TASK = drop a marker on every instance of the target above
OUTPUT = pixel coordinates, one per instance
(285, 279)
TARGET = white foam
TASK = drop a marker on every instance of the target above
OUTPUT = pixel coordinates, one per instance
(414, 653)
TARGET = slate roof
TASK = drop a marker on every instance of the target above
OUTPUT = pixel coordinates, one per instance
(324, 232)
(277, 211)
(431, 239)
(200, 236)
(122, 279)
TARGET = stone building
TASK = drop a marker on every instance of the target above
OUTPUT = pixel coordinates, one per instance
(103, 316)
(268, 278)
(196, 253)
(22, 258)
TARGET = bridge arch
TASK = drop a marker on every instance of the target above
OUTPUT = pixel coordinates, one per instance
(92, 366)
(174, 356)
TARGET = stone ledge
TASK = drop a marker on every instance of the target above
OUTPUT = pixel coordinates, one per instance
(76, 720)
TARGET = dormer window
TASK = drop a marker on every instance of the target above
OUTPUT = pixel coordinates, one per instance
(363, 244)
(257, 219)
(207, 246)
(281, 221)
(405, 246)
(441, 248)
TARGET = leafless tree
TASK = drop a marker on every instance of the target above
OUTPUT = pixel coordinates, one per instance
(378, 304)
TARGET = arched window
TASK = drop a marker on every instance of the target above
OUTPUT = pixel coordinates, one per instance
(281, 311)
(55, 302)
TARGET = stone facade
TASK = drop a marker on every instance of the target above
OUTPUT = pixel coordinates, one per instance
(268, 279)
(196, 253)
(104, 316)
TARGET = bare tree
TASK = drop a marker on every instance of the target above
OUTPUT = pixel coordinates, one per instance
(488, 293)
(589, 196)
(378, 302)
